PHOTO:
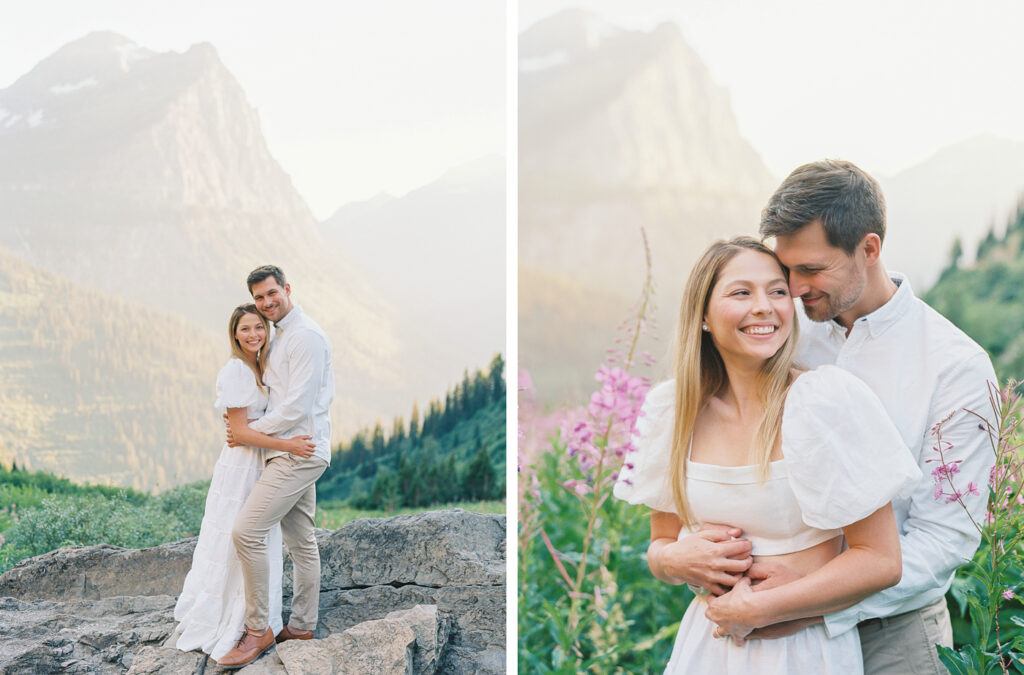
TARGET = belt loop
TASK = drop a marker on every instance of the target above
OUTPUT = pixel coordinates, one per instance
(884, 620)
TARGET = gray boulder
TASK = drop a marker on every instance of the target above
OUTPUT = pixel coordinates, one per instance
(101, 609)
(104, 571)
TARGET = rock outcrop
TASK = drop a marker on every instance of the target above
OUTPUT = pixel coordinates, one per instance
(419, 594)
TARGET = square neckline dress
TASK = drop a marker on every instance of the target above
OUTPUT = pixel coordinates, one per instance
(842, 460)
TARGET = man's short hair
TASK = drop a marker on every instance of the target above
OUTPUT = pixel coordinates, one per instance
(262, 272)
(848, 202)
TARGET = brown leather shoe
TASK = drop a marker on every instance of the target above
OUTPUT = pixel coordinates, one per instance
(248, 648)
(289, 633)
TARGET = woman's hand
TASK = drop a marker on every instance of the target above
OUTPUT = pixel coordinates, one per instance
(735, 613)
(302, 446)
(710, 558)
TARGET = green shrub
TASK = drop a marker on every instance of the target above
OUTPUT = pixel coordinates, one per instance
(187, 503)
(67, 520)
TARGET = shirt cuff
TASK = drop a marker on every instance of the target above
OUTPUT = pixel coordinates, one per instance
(839, 622)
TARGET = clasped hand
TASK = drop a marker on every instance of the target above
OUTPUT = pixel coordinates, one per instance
(737, 613)
(711, 558)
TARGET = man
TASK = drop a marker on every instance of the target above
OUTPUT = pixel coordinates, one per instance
(301, 382)
(828, 221)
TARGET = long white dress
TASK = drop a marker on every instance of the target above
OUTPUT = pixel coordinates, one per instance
(211, 607)
(842, 460)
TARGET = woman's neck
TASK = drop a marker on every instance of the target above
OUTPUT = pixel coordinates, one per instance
(741, 392)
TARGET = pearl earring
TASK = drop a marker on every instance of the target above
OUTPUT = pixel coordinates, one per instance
(705, 328)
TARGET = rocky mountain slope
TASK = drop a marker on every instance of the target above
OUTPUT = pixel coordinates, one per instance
(100, 388)
(437, 256)
(618, 129)
(145, 176)
(963, 190)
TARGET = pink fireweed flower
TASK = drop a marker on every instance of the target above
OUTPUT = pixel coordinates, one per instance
(603, 432)
(972, 488)
(945, 471)
(1008, 594)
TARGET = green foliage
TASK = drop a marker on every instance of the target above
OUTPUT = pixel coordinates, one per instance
(431, 462)
(40, 482)
(82, 520)
(985, 608)
(636, 615)
(986, 300)
(40, 512)
(332, 515)
(187, 503)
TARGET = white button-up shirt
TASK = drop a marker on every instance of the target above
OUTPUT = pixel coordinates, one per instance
(301, 382)
(923, 368)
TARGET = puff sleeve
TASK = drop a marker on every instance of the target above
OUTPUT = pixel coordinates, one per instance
(644, 475)
(845, 457)
(236, 386)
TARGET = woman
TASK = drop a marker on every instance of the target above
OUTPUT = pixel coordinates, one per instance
(211, 607)
(796, 460)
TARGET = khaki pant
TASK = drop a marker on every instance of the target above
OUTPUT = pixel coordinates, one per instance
(286, 494)
(905, 644)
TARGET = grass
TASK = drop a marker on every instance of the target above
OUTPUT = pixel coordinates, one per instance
(332, 515)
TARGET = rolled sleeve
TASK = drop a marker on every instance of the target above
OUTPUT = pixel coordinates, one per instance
(938, 537)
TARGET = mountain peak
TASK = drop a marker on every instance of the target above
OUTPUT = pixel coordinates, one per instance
(570, 32)
(99, 55)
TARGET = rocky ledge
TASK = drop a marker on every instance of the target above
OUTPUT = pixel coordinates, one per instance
(410, 594)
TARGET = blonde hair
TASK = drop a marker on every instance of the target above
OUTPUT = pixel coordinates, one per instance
(700, 371)
(236, 349)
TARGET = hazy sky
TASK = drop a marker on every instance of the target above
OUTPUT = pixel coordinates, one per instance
(355, 98)
(884, 84)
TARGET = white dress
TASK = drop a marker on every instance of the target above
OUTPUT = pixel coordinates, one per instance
(842, 460)
(211, 607)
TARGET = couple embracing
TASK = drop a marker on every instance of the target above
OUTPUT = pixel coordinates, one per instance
(789, 465)
(275, 397)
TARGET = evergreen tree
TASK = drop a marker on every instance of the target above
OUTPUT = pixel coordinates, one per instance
(451, 488)
(466, 403)
(988, 243)
(414, 423)
(956, 253)
(481, 394)
(385, 491)
(397, 433)
(496, 374)
(377, 442)
(447, 416)
(480, 480)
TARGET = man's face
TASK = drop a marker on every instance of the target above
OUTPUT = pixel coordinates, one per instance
(825, 278)
(272, 300)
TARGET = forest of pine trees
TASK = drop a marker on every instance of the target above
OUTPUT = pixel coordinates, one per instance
(986, 298)
(454, 451)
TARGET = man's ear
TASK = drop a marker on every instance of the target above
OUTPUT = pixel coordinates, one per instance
(288, 290)
(871, 244)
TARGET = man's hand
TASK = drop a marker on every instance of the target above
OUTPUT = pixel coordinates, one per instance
(768, 574)
(735, 612)
(711, 558)
(230, 439)
(765, 575)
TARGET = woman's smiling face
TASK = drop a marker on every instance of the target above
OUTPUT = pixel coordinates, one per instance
(750, 311)
(251, 334)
